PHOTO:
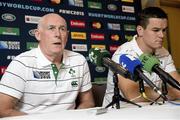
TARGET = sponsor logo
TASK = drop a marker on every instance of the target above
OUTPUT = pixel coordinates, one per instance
(31, 45)
(41, 74)
(100, 69)
(79, 47)
(97, 36)
(115, 37)
(2, 69)
(25, 7)
(10, 57)
(55, 1)
(9, 31)
(77, 23)
(78, 35)
(112, 7)
(96, 25)
(131, 1)
(77, 3)
(8, 17)
(110, 16)
(32, 19)
(38, 1)
(71, 12)
(32, 32)
(94, 5)
(113, 48)
(114, 26)
(74, 83)
(128, 9)
(98, 46)
(129, 27)
(100, 80)
(128, 37)
(11, 45)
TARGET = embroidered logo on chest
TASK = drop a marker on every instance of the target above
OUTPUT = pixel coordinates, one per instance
(74, 83)
(72, 72)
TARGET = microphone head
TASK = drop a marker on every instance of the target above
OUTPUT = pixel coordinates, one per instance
(129, 62)
(148, 61)
(96, 56)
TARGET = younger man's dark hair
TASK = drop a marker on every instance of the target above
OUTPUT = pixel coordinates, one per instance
(150, 12)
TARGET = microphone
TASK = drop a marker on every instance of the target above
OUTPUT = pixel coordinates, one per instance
(151, 63)
(134, 65)
(102, 58)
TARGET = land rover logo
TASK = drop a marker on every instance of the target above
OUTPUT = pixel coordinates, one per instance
(32, 32)
(100, 69)
(112, 7)
(8, 17)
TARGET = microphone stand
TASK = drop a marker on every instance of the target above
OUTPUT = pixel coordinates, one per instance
(141, 86)
(164, 90)
(142, 90)
(117, 97)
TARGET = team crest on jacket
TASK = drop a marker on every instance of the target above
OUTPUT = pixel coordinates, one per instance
(72, 72)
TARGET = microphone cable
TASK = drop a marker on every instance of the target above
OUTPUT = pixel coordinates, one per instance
(174, 102)
(142, 91)
(146, 98)
(143, 94)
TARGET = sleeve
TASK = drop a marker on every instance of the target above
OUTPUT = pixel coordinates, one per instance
(169, 65)
(13, 80)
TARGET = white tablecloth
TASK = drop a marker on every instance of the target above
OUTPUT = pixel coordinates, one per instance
(154, 112)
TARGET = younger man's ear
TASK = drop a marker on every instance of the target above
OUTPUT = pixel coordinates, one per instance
(140, 30)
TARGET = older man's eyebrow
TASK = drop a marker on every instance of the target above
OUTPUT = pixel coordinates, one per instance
(61, 27)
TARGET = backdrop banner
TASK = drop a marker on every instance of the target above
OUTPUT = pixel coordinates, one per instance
(105, 24)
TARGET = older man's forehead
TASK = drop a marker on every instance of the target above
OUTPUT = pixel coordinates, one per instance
(53, 17)
(57, 22)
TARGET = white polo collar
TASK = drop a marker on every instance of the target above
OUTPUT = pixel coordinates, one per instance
(135, 46)
(43, 61)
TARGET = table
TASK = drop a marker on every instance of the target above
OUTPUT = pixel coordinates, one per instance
(147, 112)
